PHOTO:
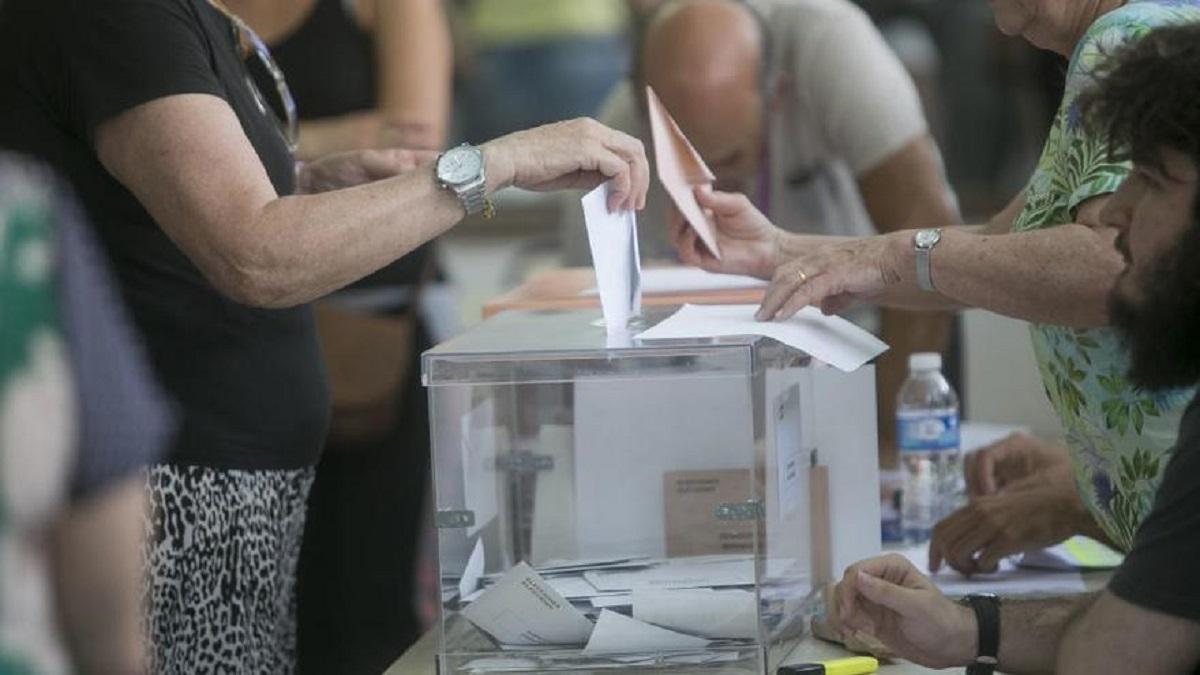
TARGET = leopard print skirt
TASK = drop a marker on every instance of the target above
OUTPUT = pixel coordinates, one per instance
(221, 551)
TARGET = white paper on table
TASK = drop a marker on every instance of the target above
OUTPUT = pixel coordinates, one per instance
(614, 243)
(665, 280)
(1076, 553)
(716, 614)
(831, 339)
(472, 573)
(618, 633)
(521, 609)
(1007, 580)
(681, 573)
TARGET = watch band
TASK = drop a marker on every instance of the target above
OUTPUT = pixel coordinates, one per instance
(924, 242)
(987, 615)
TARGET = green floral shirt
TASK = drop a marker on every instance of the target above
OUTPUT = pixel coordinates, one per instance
(1120, 437)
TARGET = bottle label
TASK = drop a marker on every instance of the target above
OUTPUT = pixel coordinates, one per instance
(927, 430)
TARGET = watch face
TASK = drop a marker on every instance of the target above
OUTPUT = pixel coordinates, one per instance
(460, 165)
(927, 238)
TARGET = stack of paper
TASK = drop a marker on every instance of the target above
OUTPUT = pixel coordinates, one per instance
(638, 604)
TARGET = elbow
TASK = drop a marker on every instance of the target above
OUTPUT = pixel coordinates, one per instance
(255, 281)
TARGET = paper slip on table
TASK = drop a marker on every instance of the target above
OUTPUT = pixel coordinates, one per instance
(564, 288)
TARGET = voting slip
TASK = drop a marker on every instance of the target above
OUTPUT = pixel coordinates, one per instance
(522, 609)
(831, 339)
(619, 633)
(691, 500)
(681, 170)
(614, 243)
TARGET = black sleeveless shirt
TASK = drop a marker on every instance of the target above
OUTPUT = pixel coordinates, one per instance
(249, 382)
(330, 65)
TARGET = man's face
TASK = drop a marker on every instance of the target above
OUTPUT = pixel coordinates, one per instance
(723, 121)
(1156, 300)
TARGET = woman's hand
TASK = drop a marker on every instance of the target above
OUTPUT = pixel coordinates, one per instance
(889, 599)
(348, 169)
(577, 154)
(748, 241)
(834, 273)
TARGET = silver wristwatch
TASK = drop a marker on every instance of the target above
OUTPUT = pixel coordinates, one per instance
(461, 170)
(924, 242)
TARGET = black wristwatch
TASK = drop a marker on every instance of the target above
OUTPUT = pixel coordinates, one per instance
(987, 615)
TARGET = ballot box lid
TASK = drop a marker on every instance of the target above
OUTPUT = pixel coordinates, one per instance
(538, 346)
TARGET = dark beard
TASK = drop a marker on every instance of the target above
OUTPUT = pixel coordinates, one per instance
(1163, 331)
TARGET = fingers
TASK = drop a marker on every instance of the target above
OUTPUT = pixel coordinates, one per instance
(793, 289)
(636, 178)
(900, 600)
(385, 163)
(785, 283)
(723, 204)
(978, 470)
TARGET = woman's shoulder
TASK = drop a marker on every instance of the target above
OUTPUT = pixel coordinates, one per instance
(1133, 19)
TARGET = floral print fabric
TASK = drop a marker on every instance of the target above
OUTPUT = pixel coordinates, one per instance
(1120, 437)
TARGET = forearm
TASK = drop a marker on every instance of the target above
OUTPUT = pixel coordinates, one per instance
(415, 102)
(1031, 631)
(301, 248)
(1060, 275)
(905, 333)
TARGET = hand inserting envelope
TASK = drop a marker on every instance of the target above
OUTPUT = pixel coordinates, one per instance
(614, 243)
(681, 170)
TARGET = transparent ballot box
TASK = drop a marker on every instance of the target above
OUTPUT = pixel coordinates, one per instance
(611, 503)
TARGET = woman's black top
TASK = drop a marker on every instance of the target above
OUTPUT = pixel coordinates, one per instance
(249, 382)
(331, 68)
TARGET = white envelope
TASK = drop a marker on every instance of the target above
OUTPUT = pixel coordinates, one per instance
(614, 243)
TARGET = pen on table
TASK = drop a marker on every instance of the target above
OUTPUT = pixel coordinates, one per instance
(858, 665)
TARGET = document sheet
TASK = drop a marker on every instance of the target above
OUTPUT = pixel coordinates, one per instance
(831, 339)
(614, 243)
(1009, 579)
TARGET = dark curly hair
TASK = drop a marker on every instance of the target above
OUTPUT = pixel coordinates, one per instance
(1147, 96)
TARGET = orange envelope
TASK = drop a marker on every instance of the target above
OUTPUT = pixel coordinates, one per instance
(681, 169)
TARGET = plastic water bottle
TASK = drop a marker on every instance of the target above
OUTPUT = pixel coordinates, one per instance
(927, 435)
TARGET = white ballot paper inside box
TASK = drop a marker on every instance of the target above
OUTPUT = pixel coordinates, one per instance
(522, 609)
(619, 633)
(831, 339)
(699, 611)
(614, 243)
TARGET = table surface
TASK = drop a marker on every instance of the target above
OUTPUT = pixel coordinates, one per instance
(418, 660)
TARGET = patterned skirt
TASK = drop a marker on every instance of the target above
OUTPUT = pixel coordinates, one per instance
(221, 550)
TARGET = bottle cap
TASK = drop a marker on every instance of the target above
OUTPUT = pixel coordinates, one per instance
(925, 361)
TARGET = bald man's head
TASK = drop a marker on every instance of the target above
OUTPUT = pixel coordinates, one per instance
(704, 59)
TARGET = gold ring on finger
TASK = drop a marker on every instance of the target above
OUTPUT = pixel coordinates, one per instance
(801, 277)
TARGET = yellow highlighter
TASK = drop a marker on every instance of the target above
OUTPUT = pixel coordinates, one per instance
(858, 665)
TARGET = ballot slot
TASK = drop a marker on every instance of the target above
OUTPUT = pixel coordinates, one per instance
(604, 507)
